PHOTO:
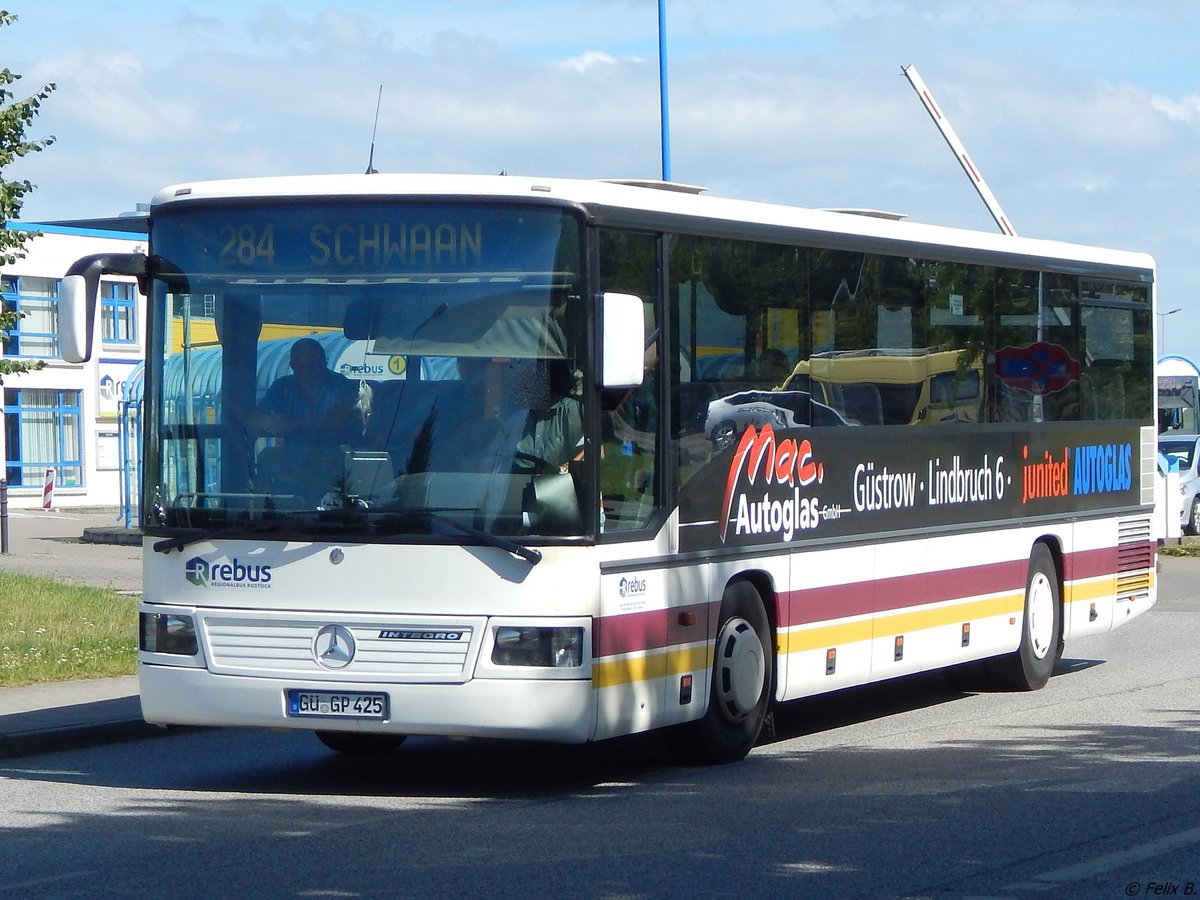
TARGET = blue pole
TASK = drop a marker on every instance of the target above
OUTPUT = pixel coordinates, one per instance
(662, 90)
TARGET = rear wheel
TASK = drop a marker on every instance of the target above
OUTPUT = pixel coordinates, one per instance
(741, 682)
(1041, 633)
(359, 744)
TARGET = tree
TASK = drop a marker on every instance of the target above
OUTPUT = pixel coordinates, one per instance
(15, 117)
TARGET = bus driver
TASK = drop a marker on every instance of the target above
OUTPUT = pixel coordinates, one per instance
(316, 413)
(312, 406)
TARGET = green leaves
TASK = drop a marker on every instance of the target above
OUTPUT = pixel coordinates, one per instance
(15, 117)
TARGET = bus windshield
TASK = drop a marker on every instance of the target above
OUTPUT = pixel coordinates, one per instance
(367, 370)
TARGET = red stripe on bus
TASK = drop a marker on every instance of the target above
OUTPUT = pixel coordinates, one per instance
(651, 630)
(1093, 563)
(861, 598)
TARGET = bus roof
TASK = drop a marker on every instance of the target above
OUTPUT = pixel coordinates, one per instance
(683, 207)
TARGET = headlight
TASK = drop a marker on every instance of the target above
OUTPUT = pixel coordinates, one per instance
(522, 645)
(168, 633)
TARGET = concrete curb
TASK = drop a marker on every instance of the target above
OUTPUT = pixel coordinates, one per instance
(66, 714)
(50, 739)
(112, 534)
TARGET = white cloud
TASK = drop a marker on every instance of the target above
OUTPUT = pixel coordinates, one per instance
(589, 59)
(1185, 109)
(107, 94)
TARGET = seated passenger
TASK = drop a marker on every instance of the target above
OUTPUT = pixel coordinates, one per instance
(504, 417)
(548, 424)
(533, 491)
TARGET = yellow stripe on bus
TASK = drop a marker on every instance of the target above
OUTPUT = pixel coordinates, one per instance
(1084, 591)
(827, 636)
(664, 663)
(659, 664)
(900, 623)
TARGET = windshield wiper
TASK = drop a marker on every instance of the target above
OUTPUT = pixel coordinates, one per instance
(191, 536)
(529, 554)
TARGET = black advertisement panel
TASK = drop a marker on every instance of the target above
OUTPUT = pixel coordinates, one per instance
(776, 487)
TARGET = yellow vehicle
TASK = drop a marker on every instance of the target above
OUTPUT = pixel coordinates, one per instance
(893, 387)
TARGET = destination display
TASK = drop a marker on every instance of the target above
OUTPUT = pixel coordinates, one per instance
(791, 485)
(341, 240)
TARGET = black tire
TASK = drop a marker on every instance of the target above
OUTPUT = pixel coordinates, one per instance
(359, 744)
(1030, 667)
(741, 684)
(1193, 522)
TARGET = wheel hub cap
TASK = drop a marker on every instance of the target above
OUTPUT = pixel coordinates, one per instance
(741, 669)
(1041, 615)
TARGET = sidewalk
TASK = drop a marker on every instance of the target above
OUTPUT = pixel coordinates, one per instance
(86, 546)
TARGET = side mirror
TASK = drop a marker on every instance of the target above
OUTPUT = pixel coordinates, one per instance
(76, 316)
(622, 340)
(79, 294)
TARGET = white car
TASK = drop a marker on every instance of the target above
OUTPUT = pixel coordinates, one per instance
(728, 416)
(1183, 450)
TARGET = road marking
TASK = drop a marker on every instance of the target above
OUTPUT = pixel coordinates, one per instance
(1110, 861)
(43, 515)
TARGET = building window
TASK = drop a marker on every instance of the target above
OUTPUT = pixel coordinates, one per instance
(37, 300)
(43, 430)
(118, 312)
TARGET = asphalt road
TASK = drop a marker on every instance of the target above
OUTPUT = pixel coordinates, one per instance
(1089, 788)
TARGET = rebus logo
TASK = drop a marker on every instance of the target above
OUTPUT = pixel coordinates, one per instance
(234, 574)
(196, 571)
(631, 587)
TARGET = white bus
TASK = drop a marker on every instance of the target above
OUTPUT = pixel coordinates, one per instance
(514, 521)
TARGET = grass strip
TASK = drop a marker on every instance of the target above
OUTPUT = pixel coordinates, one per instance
(50, 631)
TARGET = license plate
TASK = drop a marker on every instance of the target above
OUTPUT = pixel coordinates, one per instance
(337, 704)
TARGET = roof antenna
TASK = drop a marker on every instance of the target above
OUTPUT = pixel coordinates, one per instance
(371, 170)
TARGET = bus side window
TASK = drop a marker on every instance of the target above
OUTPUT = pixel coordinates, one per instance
(631, 425)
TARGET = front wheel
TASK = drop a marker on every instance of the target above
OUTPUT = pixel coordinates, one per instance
(741, 682)
(1041, 632)
(359, 744)
(1193, 522)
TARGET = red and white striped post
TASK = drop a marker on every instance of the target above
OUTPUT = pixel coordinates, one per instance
(48, 490)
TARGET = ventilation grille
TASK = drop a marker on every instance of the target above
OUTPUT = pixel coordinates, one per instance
(1135, 559)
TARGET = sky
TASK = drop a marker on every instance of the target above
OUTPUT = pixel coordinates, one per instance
(1082, 115)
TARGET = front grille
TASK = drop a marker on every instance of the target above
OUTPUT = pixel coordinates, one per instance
(424, 649)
